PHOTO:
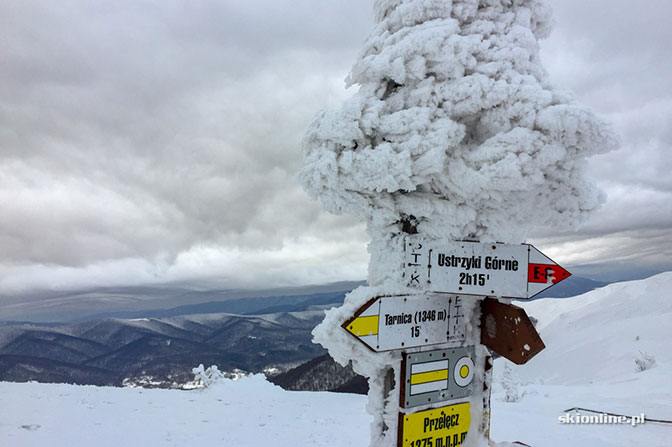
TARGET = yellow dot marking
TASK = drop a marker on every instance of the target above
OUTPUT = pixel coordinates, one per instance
(464, 371)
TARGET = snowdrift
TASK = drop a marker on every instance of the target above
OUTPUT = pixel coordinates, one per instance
(596, 337)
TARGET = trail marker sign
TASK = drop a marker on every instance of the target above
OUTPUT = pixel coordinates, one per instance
(473, 268)
(405, 321)
(436, 376)
(440, 427)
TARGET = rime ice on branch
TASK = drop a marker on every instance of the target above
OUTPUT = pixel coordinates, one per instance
(455, 128)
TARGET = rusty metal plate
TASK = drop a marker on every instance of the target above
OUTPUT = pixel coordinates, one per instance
(507, 330)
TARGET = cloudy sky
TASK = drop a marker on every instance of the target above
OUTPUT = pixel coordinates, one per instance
(147, 141)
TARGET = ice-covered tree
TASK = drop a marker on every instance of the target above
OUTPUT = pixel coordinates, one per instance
(455, 131)
(206, 377)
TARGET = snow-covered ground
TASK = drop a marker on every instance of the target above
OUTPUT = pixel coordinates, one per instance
(249, 412)
(592, 344)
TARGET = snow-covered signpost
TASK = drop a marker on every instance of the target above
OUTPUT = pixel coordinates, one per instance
(455, 134)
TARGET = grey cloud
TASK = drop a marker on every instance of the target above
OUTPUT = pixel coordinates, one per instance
(615, 57)
(135, 134)
(141, 129)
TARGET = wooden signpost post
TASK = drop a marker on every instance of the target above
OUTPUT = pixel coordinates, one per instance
(430, 150)
(437, 386)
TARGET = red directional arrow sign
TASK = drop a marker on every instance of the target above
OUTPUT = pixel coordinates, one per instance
(473, 268)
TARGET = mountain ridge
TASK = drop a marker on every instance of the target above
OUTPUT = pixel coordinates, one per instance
(161, 346)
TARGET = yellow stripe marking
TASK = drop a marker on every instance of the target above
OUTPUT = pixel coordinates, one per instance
(363, 326)
(432, 376)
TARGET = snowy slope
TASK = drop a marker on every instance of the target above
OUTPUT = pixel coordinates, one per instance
(599, 335)
(592, 343)
(590, 362)
(247, 413)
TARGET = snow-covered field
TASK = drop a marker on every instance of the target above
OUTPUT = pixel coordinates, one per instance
(247, 413)
(592, 344)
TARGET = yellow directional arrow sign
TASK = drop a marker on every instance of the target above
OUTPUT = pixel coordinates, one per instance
(399, 322)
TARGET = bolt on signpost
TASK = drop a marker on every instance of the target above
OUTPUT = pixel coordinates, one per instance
(454, 142)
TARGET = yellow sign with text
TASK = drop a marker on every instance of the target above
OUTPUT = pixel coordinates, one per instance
(440, 427)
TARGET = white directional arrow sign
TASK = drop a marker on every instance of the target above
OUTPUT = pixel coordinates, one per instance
(399, 322)
(472, 268)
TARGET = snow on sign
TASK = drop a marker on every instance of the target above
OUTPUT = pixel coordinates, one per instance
(473, 268)
(399, 322)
